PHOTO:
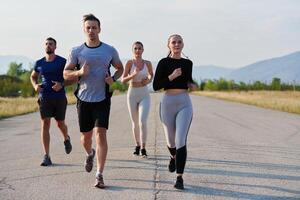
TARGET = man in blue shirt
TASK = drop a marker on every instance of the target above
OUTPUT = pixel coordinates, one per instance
(52, 97)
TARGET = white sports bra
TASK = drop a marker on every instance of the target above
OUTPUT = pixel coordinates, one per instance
(141, 75)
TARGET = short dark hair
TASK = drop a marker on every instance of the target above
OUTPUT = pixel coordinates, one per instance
(91, 17)
(51, 39)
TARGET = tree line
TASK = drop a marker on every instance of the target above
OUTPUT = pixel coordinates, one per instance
(230, 85)
(16, 82)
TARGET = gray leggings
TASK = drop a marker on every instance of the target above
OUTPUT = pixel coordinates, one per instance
(138, 101)
(176, 114)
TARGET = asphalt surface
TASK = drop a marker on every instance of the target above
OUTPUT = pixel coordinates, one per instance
(235, 151)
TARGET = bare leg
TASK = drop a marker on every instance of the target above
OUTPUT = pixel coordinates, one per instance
(86, 141)
(45, 135)
(63, 128)
(101, 148)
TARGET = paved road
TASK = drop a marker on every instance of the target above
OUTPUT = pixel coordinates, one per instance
(235, 151)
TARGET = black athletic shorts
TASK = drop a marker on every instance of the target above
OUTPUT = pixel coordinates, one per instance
(53, 108)
(93, 114)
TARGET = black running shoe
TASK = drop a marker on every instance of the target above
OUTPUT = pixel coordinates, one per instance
(137, 151)
(179, 183)
(144, 153)
(68, 145)
(46, 161)
(172, 165)
(99, 182)
(89, 161)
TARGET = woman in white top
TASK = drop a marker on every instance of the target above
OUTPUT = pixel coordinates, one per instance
(139, 73)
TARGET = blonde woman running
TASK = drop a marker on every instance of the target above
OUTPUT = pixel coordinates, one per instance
(174, 75)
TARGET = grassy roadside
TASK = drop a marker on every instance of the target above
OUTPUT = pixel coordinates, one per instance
(287, 101)
(10, 107)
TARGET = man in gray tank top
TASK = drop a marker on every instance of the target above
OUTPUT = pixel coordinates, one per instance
(90, 64)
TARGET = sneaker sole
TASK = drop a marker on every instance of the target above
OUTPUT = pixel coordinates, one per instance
(44, 165)
(179, 188)
(100, 186)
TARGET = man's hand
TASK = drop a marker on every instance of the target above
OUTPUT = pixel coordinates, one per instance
(108, 79)
(38, 88)
(84, 70)
(57, 86)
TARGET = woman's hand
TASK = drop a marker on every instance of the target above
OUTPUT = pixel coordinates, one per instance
(145, 81)
(135, 72)
(192, 86)
(177, 72)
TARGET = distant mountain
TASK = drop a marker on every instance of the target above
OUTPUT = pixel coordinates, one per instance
(203, 72)
(287, 68)
(6, 60)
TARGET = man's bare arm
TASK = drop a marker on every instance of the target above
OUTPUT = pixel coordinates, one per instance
(70, 74)
(119, 70)
(34, 81)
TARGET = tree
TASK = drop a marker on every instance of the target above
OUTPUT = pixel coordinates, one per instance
(257, 85)
(211, 85)
(15, 69)
(10, 86)
(276, 84)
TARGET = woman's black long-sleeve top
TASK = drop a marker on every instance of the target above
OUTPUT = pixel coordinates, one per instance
(166, 66)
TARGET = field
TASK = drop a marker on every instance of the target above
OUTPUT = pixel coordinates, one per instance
(282, 101)
(10, 107)
(17, 106)
(287, 101)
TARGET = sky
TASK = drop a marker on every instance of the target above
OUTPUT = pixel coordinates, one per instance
(227, 33)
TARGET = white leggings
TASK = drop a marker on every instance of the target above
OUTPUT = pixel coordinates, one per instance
(138, 101)
(176, 113)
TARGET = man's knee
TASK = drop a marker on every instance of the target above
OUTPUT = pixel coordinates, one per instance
(46, 123)
(61, 124)
(100, 134)
(86, 136)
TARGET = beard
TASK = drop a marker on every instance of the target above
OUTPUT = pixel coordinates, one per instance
(49, 51)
